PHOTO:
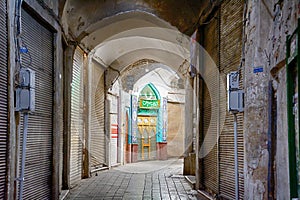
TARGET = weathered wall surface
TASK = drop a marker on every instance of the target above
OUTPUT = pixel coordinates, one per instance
(50, 4)
(256, 99)
(284, 23)
(281, 159)
(267, 24)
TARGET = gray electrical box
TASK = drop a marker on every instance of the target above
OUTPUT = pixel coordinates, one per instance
(25, 100)
(25, 93)
(236, 101)
(235, 96)
(27, 78)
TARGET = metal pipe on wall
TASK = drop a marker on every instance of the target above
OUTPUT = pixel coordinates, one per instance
(25, 122)
(236, 167)
(24, 142)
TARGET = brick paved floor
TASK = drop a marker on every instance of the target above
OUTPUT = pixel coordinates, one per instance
(143, 180)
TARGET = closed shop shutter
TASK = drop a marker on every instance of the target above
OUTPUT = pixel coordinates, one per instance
(3, 97)
(38, 164)
(113, 129)
(231, 47)
(97, 136)
(76, 118)
(209, 176)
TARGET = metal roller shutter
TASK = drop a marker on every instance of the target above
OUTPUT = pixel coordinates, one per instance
(209, 178)
(38, 164)
(76, 118)
(231, 47)
(113, 129)
(97, 136)
(3, 97)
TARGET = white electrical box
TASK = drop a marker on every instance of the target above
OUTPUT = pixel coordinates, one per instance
(235, 96)
(25, 93)
(233, 79)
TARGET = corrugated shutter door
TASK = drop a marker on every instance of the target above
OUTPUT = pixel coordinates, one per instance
(3, 97)
(97, 136)
(231, 46)
(113, 130)
(38, 165)
(209, 178)
(76, 118)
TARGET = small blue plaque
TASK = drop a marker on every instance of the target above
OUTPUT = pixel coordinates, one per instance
(258, 69)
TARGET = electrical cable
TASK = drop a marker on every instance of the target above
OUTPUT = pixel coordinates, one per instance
(23, 45)
(17, 22)
(20, 45)
(243, 38)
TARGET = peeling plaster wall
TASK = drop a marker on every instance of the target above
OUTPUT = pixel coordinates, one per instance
(284, 23)
(285, 15)
(256, 99)
(267, 24)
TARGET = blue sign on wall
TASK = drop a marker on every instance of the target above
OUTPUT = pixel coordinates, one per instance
(258, 69)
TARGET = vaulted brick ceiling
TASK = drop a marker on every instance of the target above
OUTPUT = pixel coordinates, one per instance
(80, 15)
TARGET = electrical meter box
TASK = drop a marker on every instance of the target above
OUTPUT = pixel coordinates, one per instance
(27, 78)
(235, 96)
(233, 79)
(236, 101)
(25, 100)
(25, 93)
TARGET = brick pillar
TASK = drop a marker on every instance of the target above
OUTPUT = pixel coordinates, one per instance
(134, 152)
(162, 153)
(128, 153)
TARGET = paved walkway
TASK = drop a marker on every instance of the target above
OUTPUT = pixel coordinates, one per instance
(143, 180)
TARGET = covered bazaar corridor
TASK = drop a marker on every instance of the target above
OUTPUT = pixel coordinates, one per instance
(135, 99)
(137, 79)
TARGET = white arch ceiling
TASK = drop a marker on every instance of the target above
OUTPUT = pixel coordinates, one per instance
(131, 36)
(119, 24)
(139, 71)
(122, 52)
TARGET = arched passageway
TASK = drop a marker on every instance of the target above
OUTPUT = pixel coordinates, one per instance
(114, 51)
(125, 52)
(121, 43)
(114, 46)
